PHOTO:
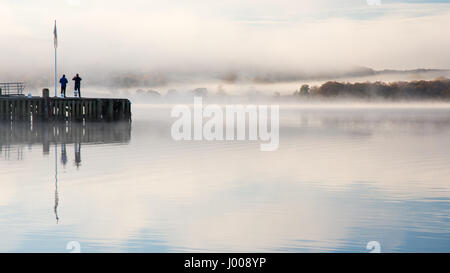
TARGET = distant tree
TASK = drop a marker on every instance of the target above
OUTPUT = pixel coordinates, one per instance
(304, 90)
(153, 93)
(314, 90)
(171, 92)
(200, 92)
(221, 92)
(437, 89)
(331, 89)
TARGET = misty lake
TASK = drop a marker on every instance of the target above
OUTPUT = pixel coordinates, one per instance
(344, 175)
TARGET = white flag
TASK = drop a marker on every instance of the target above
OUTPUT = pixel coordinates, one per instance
(55, 36)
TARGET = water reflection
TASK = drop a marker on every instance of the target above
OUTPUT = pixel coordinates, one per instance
(56, 178)
(14, 136)
(341, 178)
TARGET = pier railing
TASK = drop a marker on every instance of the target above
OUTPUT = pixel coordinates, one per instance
(12, 88)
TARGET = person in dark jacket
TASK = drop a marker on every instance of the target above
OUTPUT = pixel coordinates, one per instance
(63, 81)
(77, 80)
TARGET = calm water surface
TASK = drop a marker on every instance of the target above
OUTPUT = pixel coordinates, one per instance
(343, 176)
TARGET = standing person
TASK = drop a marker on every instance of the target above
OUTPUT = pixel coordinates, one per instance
(63, 81)
(77, 80)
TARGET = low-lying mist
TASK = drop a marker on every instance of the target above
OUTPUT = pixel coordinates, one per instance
(260, 86)
(437, 90)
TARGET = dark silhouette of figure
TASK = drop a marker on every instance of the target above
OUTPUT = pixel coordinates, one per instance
(77, 80)
(63, 81)
(77, 154)
(63, 154)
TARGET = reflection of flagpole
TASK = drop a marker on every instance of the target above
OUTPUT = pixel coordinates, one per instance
(56, 183)
(55, 40)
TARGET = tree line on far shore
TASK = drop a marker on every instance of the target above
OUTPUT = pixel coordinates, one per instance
(435, 89)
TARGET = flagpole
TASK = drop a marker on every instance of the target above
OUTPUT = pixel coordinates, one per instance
(56, 87)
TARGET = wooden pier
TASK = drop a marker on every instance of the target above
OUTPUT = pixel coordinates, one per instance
(22, 108)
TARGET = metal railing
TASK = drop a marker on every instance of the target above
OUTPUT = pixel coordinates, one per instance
(12, 89)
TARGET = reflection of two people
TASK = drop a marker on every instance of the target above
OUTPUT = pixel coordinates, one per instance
(77, 148)
(64, 162)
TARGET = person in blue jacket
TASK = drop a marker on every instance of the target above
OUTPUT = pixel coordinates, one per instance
(63, 81)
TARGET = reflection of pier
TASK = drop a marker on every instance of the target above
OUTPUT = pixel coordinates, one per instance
(26, 133)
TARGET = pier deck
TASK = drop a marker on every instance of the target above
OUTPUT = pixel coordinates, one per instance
(22, 108)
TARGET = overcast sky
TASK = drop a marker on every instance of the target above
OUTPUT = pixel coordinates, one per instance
(205, 35)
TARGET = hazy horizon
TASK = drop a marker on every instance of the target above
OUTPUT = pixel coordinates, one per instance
(163, 42)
